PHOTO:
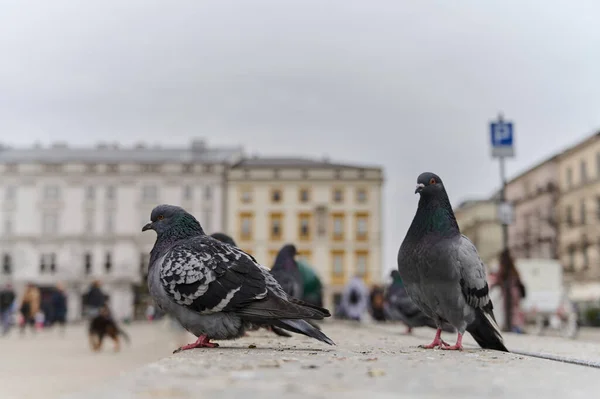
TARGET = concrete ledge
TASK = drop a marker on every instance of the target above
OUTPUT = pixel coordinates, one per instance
(370, 361)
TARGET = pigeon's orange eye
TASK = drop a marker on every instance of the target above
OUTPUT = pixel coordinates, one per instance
(432, 180)
(161, 217)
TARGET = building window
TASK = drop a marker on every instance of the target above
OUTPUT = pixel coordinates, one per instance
(569, 177)
(304, 195)
(52, 263)
(188, 193)
(90, 193)
(571, 257)
(108, 262)
(144, 260)
(569, 216)
(8, 227)
(51, 193)
(304, 225)
(48, 262)
(89, 223)
(187, 168)
(362, 226)
(338, 195)
(337, 267)
(586, 258)
(246, 195)
(361, 195)
(208, 193)
(87, 259)
(305, 255)
(246, 226)
(149, 193)
(338, 226)
(50, 223)
(276, 196)
(207, 220)
(582, 212)
(7, 264)
(11, 193)
(111, 192)
(109, 222)
(276, 226)
(583, 171)
(361, 263)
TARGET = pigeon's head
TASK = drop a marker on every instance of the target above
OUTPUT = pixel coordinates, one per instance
(429, 184)
(223, 238)
(289, 250)
(172, 219)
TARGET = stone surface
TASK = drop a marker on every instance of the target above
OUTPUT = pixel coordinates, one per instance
(374, 361)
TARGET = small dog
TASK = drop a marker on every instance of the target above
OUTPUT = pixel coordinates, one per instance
(104, 325)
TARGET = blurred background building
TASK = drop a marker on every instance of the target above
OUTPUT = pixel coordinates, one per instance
(478, 220)
(579, 218)
(330, 211)
(74, 215)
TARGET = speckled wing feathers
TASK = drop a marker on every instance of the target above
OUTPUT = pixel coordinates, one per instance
(473, 281)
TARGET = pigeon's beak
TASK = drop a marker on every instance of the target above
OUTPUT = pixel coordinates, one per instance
(419, 188)
(149, 226)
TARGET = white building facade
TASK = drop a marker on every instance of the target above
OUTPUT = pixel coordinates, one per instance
(74, 215)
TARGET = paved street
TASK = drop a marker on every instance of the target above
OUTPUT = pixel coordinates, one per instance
(47, 364)
(372, 361)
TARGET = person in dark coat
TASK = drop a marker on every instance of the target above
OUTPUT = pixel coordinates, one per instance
(7, 299)
(95, 299)
(59, 305)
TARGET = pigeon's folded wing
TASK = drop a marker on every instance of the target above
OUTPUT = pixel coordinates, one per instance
(208, 277)
(473, 282)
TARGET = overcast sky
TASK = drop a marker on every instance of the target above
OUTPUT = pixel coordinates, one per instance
(408, 85)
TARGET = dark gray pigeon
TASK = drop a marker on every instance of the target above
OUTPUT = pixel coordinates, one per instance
(228, 240)
(442, 271)
(399, 307)
(216, 290)
(286, 271)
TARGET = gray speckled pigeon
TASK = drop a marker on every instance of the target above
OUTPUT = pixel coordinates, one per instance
(215, 290)
(442, 271)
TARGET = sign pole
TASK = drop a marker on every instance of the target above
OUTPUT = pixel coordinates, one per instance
(502, 147)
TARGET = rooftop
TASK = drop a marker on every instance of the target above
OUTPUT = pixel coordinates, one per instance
(296, 162)
(197, 152)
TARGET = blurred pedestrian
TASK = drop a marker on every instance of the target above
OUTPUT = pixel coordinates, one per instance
(7, 300)
(377, 302)
(59, 305)
(30, 307)
(507, 278)
(95, 299)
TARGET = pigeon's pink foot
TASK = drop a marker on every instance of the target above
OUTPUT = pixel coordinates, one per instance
(456, 347)
(409, 330)
(201, 342)
(437, 342)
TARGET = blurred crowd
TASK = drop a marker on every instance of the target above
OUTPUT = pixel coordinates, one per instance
(37, 309)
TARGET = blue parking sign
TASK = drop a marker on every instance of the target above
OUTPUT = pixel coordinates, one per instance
(501, 136)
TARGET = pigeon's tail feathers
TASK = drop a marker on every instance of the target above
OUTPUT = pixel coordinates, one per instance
(274, 307)
(485, 330)
(280, 331)
(303, 327)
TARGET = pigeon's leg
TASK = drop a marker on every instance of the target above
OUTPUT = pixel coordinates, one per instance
(408, 331)
(437, 341)
(456, 347)
(201, 342)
